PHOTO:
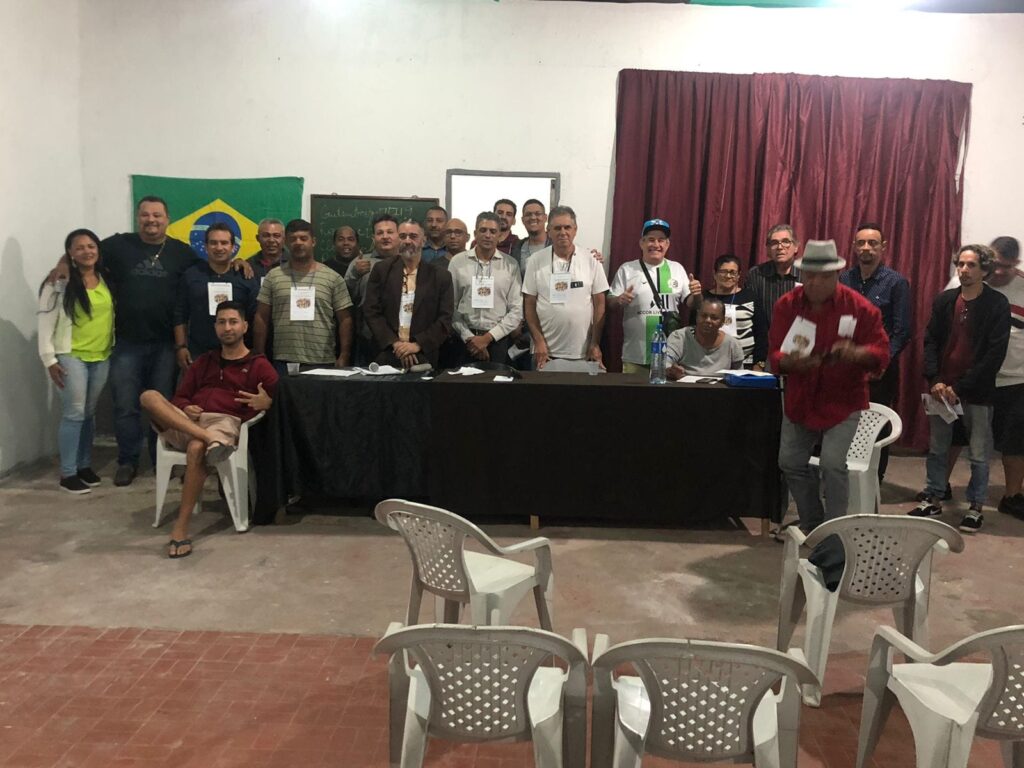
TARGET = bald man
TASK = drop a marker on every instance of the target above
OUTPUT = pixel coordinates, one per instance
(456, 236)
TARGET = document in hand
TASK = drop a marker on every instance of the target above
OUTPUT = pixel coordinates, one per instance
(799, 340)
(948, 413)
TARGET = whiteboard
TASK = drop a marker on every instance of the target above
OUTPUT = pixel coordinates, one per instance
(468, 192)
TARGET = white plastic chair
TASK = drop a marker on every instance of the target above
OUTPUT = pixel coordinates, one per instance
(572, 366)
(492, 585)
(888, 563)
(945, 700)
(696, 701)
(236, 477)
(481, 684)
(865, 453)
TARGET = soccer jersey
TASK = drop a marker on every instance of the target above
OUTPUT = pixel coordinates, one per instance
(641, 316)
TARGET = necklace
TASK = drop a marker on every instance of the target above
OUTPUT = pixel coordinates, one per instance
(156, 257)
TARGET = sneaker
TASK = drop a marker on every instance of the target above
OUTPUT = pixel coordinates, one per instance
(927, 508)
(972, 521)
(89, 477)
(124, 475)
(947, 495)
(74, 484)
(1012, 505)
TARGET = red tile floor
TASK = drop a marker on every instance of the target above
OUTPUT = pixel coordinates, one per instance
(134, 698)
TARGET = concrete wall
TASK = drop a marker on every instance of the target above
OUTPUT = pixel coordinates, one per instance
(40, 202)
(381, 97)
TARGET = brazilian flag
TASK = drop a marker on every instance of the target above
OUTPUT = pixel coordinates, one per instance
(195, 204)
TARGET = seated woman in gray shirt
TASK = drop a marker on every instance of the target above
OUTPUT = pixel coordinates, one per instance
(703, 349)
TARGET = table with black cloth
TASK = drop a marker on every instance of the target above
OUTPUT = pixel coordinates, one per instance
(561, 446)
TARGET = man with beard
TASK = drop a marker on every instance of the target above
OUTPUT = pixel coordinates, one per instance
(307, 304)
(222, 388)
(435, 222)
(408, 304)
(506, 211)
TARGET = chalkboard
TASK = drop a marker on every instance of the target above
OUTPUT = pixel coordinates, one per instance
(328, 212)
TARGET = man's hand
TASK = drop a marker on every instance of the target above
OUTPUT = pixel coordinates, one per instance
(845, 351)
(405, 348)
(363, 266)
(626, 297)
(57, 375)
(695, 287)
(674, 372)
(477, 346)
(342, 361)
(594, 353)
(790, 363)
(757, 367)
(184, 358)
(192, 411)
(541, 355)
(597, 255)
(243, 266)
(944, 392)
(258, 401)
(60, 272)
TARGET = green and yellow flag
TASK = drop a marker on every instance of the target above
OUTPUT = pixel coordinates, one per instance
(195, 204)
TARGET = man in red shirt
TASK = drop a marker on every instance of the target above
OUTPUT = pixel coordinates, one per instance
(826, 339)
(221, 389)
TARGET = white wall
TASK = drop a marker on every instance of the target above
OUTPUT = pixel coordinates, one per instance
(40, 202)
(381, 97)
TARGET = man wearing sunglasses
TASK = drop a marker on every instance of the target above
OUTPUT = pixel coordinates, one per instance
(769, 282)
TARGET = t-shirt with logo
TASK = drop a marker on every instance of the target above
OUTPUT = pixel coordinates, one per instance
(641, 316)
(566, 327)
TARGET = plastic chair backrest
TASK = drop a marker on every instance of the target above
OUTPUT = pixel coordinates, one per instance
(479, 676)
(865, 440)
(703, 694)
(883, 553)
(435, 538)
(1001, 712)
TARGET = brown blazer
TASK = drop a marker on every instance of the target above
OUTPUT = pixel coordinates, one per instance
(431, 312)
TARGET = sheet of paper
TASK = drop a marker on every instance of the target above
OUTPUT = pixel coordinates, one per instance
(380, 370)
(342, 372)
(948, 413)
(504, 378)
(742, 372)
(799, 339)
(699, 380)
(466, 371)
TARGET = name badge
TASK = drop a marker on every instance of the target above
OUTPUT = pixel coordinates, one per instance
(847, 326)
(405, 315)
(483, 292)
(216, 293)
(303, 302)
(729, 326)
(560, 284)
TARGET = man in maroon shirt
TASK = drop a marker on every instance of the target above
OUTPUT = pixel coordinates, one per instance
(826, 339)
(964, 347)
(220, 390)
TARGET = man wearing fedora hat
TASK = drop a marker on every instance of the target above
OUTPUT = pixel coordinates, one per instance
(826, 339)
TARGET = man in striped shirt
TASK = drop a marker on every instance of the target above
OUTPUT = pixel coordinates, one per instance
(769, 282)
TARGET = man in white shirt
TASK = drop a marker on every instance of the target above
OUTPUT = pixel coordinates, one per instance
(563, 295)
(649, 290)
(488, 295)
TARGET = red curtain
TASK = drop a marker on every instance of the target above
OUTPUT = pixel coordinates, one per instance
(723, 157)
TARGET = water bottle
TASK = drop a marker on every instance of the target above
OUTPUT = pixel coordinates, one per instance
(658, 344)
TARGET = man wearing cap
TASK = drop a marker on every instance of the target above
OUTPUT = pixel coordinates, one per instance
(649, 290)
(563, 295)
(826, 339)
(770, 281)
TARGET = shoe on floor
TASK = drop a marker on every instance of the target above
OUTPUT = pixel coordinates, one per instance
(1012, 505)
(972, 521)
(947, 495)
(124, 475)
(89, 477)
(218, 452)
(927, 508)
(74, 484)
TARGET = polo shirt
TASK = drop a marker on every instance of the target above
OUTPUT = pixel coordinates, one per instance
(304, 341)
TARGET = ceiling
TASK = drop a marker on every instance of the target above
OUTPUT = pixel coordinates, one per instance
(934, 6)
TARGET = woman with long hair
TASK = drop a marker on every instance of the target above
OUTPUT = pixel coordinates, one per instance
(76, 336)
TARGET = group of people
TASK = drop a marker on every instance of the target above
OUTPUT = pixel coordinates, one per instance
(438, 294)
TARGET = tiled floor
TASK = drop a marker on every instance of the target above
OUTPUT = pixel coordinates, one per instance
(141, 698)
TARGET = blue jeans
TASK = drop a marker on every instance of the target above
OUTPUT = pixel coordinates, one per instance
(83, 383)
(795, 448)
(977, 420)
(135, 367)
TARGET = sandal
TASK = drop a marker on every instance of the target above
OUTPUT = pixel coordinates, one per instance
(177, 547)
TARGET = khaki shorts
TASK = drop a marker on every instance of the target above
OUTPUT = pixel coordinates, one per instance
(223, 427)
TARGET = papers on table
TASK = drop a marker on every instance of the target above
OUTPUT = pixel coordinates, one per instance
(380, 370)
(742, 372)
(373, 370)
(699, 380)
(504, 378)
(948, 413)
(342, 372)
(799, 340)
(466, 371)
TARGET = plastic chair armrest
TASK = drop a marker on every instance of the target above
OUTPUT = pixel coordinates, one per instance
(894, 639)
(254, 420)
(525, 546)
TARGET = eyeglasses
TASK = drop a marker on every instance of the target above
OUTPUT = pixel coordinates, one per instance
(784, 243)
(729, 272)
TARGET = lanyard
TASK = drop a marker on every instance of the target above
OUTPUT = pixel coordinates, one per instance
(568, 267)
(291, 274)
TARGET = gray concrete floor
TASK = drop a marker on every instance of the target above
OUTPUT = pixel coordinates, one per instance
(96, 560)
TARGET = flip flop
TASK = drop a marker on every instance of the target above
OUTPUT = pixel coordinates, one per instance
(176, 544)
(218, 452)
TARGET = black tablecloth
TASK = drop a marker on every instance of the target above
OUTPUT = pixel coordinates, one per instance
(556, 445)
